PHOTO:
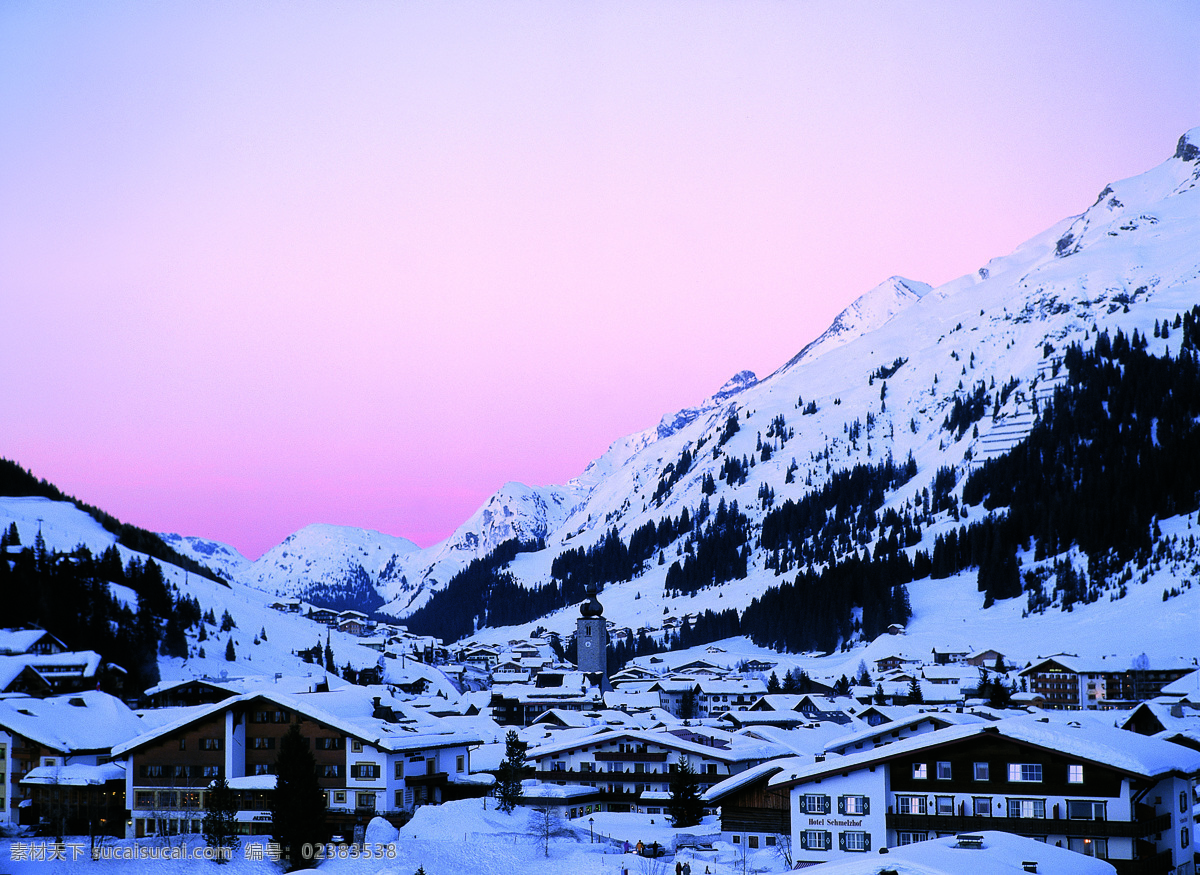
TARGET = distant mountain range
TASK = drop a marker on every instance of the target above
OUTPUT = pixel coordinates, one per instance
(897, 374)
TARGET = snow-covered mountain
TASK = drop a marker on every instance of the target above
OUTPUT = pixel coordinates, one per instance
(880, 381)
(868, 312)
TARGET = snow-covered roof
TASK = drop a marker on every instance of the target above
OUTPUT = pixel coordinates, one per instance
(1001, 853)
(348, 710)
(17, 641)
(1092, 742)
(84, 721)
(252, 782)
(744, 749)
(75, 775)
(719, 791)
(538, 790)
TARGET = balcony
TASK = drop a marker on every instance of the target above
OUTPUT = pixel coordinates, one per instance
(1030, 826)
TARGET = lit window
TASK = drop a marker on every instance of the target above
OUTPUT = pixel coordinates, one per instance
(856, 841)
(920, 771)
(1027, 808)
(1025, 772)
(855, 805)
(1075, 774)
(1089, 847)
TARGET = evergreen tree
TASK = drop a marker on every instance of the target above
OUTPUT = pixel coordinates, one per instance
(227, 621)
(686, 807)
(298, 804)
(330, 665)
(508, 790)
(773, 685)
(230, 654)
(915, 696)
(220, 830)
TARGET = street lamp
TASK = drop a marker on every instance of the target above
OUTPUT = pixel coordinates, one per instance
(591, 831)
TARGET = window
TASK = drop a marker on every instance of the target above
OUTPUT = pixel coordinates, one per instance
(561, 766)
(331, 771)
(1027, 808)
(398, 799)
(587, 767)
(944, 804)
(264, 768)
(854, 841)
(330, 743)
(183, 744)
(854, 805)
(182, 771)
(211, 771)
(920, 771)
(49, 761)
(1086, 810)
(981, 806)
(1089, 847)
(943, 772)
(1027, 773)
(910, 804)
(460, 763)
(1184, 838)
(210, 744)
(752, 841)
(264, 744)
(981, 771)
(364, 771)
(814, 803)
(167, 800)
(189, 800)
(364, 800)
(911, 838)
(339, 797)
(737, 840)
(152, 771)
(1183, 802)
(770, 839)
(399, 769)
(816, 840)
(355, 746)
(144, 799)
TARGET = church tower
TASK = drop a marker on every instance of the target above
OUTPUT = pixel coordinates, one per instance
(591, 639)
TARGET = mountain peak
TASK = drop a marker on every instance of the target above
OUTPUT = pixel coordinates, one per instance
(868, 312)
(1188, 148)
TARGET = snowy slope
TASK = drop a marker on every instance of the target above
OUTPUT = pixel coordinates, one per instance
(1127, 261)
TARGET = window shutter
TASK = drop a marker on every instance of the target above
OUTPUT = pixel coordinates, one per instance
(866, 805)
(804, 841)
(803, 801)
(842, 805)
(825, 801)
(867, 841)
(841, 841)
(828, 840)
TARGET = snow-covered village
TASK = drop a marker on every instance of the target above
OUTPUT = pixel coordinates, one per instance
(446, 439)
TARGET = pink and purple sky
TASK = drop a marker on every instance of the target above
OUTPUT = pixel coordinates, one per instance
(267, 264)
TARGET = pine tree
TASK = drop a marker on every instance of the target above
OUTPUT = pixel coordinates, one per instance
(915, 696)
(686, 808)
(227, 622)
(230, 654)
(220, 831)
(298, 805)
(508, 790)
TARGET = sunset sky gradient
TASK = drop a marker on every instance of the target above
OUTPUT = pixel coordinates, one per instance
(272, 263)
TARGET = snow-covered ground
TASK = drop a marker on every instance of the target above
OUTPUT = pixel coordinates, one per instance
(458, 838)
